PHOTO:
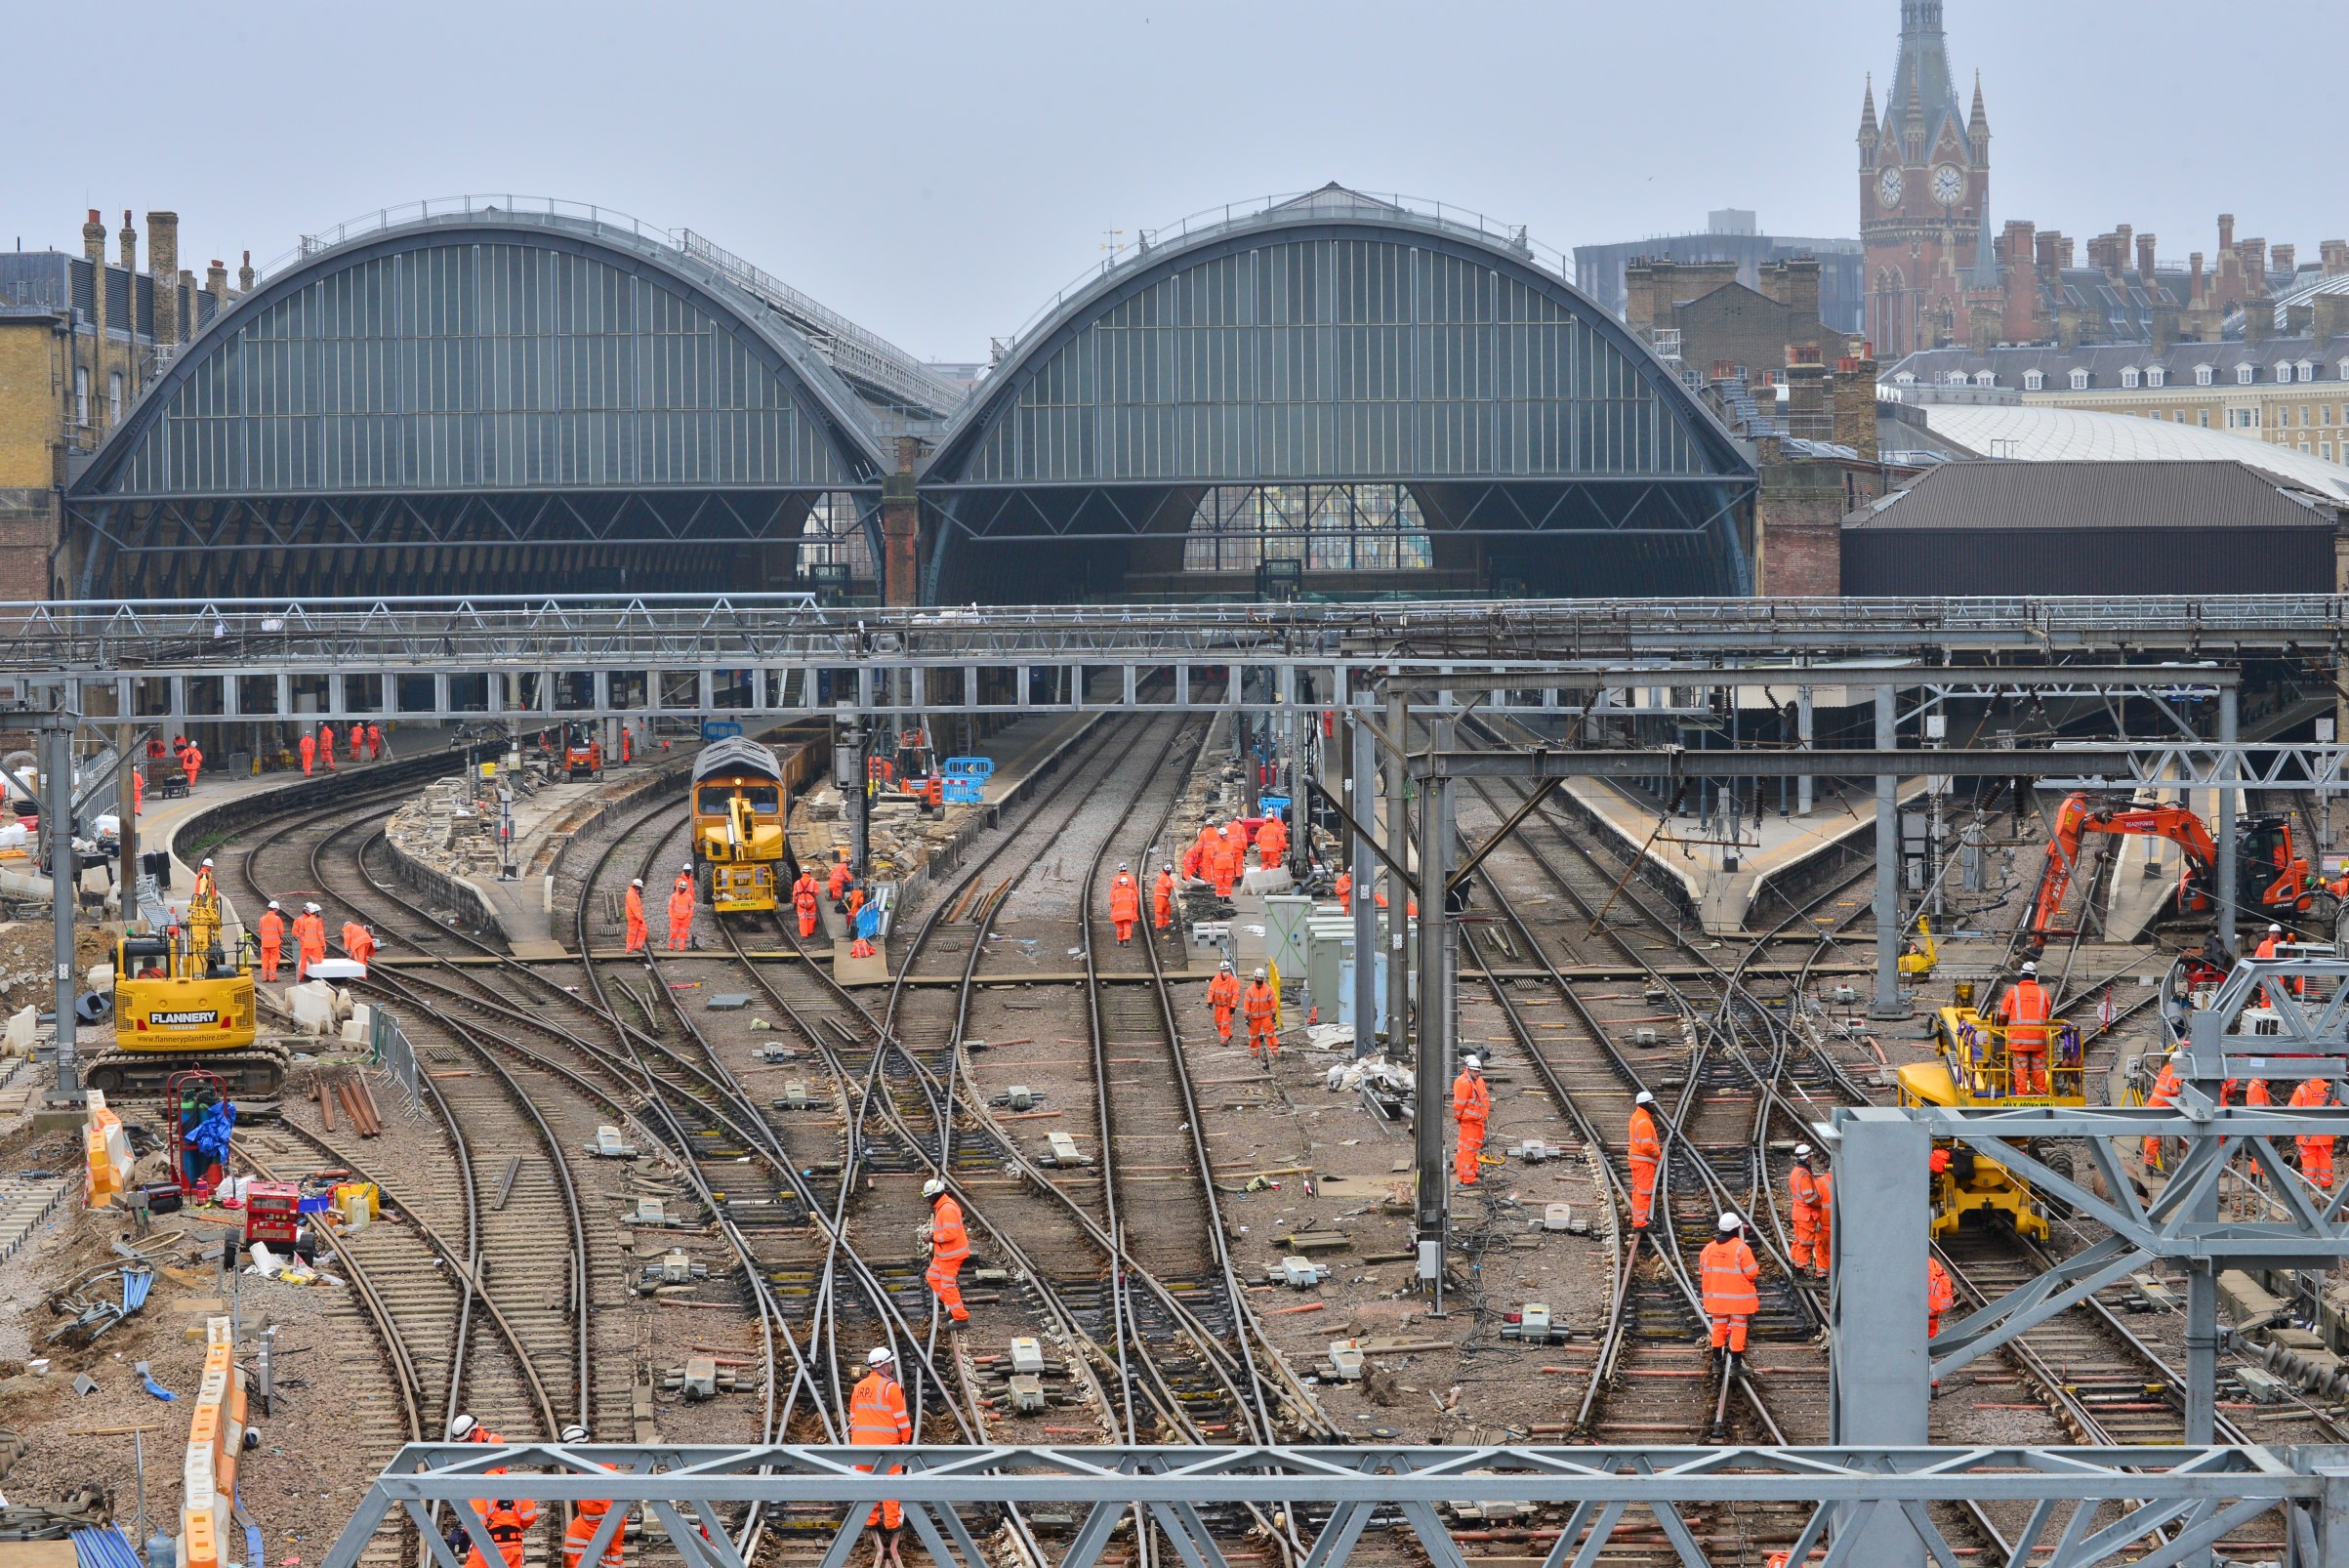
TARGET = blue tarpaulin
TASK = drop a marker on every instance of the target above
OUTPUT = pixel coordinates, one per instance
(211, 1136)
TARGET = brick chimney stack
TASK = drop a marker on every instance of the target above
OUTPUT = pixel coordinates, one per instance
(163, 256)
(244, 276)
(2286, 259)
(1853, 394)
(130, 245)
(94, 238)
(2145, 260)
(2194, 287)
(2336, 254)
(2255, 264)
(215, 282)
(2226, 231)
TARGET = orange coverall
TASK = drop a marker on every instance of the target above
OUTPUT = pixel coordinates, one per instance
(326, 746)
(1471, 1108)
(803, 899)
(587, 1516)
(1125, 906)
(1162, 901)
(193, 762)
(2316, 1153)
(680, 919)
(272, 944)
(2024, 1003)
(1802, 1193)
(1260, 1004)
(2164, 1092)
(310, 931)
(877, 1418)
(638, 932)
(1344, 891)
(1728, 1272)
(1941, 1294)
(1645, 1151)
(375, 743)
(949, 1246)
(1223, 995)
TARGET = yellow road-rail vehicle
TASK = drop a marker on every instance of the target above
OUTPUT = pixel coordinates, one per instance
(1975, 1065)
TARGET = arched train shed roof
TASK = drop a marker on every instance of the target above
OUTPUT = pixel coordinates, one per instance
(488, 350)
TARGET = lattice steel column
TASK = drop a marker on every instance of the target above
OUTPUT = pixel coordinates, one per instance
(1434, 1060)
(1887, 1002)
(1398, 852)
(1877, 1359)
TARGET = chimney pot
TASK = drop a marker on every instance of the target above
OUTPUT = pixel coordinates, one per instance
(2226, 230)
(2286, 258)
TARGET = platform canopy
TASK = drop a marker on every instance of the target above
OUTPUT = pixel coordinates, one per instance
(1401, 399)
(480, 398)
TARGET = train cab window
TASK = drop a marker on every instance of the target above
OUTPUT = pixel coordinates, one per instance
(764, 798)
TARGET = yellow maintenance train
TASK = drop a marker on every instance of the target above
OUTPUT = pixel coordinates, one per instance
(741, 792)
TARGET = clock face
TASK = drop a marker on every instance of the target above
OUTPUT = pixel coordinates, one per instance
(1888, 188)
(1948, 185)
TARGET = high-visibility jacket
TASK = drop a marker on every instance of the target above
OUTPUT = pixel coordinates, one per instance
(351, 933)
(1260, 1003)
(949, 1238)
(326, 743)
(2166, 1088)
(273, 935)
(311, 931)
(2256, 1094)
(1272, 840)
(803, 897)
(1728, 1272)
(805, 887)
(1125, 899)
(192, 760)
(680, 906)
(876, 1416)
(1941, 1292)
(2311, 1091)
(1471, 1100)
(587, 1518)
(1802, 1194)
(2024, 1003)
(1223, 991)
(357, 942)
(2268, 945)
(358, 739)
(634, 905)
(1644, 1147)
(205, 888)
(1161, 893)
(310, 751)
(1343, 892)
(837, 882)
(375, 742)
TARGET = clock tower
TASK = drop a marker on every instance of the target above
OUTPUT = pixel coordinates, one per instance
(1924, 196)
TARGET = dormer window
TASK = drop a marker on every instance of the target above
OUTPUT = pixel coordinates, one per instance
(2203, 375)
(2080, 381)
(2284, 371)
(2129, 377)
(1986, 377)
(1907, 378)
(2343, 369)
(2156, 376)
(2245, 375)
(2308, 371)
(2035, 381)
(1955, 378)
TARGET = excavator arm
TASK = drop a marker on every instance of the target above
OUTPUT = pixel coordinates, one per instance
(2080, 816)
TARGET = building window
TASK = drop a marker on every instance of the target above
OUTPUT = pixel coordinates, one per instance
(2080, 381)
(2327, 448)
(1907, 378)
(2245, 375)
(82, 394)
(2179, 417)
(1986, 377)
(2201, 375)
(2308, 371)
(2129, 377)
(834, 535)
(2284, 372)
(2343, 369)
(2035, 379)
(1330, 527)
(2205, 413)
(2302, 417)
(2157, 376)
(114, 397)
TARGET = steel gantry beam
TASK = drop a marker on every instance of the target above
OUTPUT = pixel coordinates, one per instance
(2086, 1505)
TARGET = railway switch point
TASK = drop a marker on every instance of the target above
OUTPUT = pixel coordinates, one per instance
(1027, 1354)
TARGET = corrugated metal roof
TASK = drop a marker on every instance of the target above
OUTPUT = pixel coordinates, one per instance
(2075, 496)
(2034, 433)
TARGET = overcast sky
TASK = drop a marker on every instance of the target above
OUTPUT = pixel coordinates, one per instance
(938, 171)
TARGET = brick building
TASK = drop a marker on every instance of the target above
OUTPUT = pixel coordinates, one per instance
(1924, 196)
(80, 337)
(1703, 318)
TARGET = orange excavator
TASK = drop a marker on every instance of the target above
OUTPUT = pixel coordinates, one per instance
(2274, 875)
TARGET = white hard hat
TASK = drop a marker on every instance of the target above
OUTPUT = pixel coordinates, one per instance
(1260, 975)
(313, 908)
(1121, 865)
(2030, 967)
(208, 861)
(1472, 1064)
(636, 881)
(2272, 930)
(273, 903)
(461, 1426)
(574, 1433)
(1730, 1221)
(1643, 1097)
(933, 1186)
(880, 1356)
(1227, 963)
(685, 869)
(1802, 1151)
(1169, 867)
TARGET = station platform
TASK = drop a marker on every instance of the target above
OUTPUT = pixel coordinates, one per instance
(162, 824)
(1773, 846)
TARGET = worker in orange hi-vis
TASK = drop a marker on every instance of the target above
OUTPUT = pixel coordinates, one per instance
(877, 1418)
(1802, 1206)
(2024, 1009)
(358, 741)
(1125, 904)
(308, 745)
(681, 918)
(1237, 839)
(1941, 1294)
(1272, 841)
(685, 880)
(191, 762)
(359, 942)
(375, 742)
(2316, 1153)
(1726, 1271)
(1471, 1108)
(836, 882)
(1223, 866)
(138, 792)
(273, 941)
(1645, 1152)
(587, 1517)
(949, 1247)
(326, 746)
(632, 908)
(1162, 899)
(1822, 1249)
(1261, 1004)
(1223, 995)
(2165, 1094)
(310, 932)
(803, 899)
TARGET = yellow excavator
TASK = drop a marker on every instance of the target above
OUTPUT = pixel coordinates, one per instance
(744, 856)
(1919, 954)
(182, 1001)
